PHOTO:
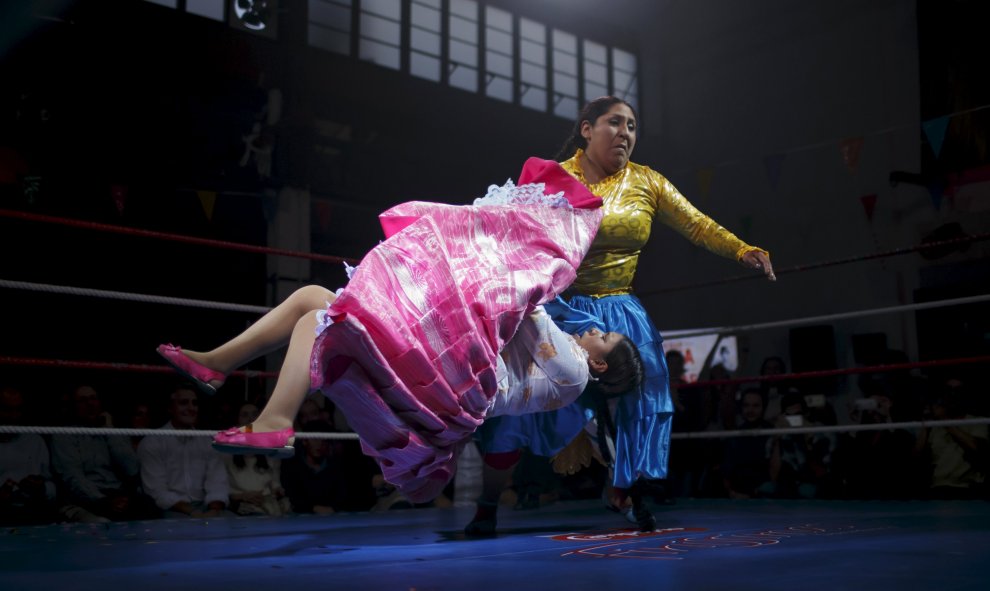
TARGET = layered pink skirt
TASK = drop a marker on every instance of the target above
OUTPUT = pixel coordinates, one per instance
(411, 355)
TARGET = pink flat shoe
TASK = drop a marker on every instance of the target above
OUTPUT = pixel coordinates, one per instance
(272, 443)
(189, 369)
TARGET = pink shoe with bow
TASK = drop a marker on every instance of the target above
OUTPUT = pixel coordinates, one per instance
(276, 444)
(199, 374)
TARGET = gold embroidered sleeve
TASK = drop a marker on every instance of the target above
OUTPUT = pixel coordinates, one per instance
(677, 212)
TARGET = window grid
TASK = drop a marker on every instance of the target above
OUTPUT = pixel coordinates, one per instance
(380, 24)
(330, 24)
(564, 58)
(425, 39)
(462, 44)
(532, 81)
(469, 45)
(499, 54)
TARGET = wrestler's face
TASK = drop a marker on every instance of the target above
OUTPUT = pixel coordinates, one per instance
(598, 344)
(611, 138)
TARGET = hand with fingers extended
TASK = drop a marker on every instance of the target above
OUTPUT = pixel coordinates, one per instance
(760, 261)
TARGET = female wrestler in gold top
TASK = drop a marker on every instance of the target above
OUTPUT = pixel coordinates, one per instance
(634, 195)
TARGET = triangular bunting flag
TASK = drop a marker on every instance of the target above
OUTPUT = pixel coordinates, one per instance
(935, 132)
(208, 199)
(323, 214)
(869, 203)
(119, 194)
(705, 176)
(850, 148)
(773, 163)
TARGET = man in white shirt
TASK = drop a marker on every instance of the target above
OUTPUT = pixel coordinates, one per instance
(184, 475)
(27, 493)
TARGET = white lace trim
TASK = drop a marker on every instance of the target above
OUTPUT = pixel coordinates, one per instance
(528, 194)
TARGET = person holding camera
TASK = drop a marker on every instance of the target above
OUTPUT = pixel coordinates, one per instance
(799, 463)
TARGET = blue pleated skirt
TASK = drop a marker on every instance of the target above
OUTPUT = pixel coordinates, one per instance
(643, 420)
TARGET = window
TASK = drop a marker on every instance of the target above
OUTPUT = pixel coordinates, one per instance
(565, 74)
(624, 78)
(499, 54)
(532, 64)
(463, 44)
(381, 30)
(523, 61)
(329, 25)
(212, 9)
(595, 70)
(424, 39)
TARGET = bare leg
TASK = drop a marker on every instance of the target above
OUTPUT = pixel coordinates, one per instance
(493, 481)
(268, 334)
(293, 381)
(495, 473)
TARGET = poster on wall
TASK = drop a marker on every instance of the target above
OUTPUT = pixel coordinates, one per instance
(723, 350)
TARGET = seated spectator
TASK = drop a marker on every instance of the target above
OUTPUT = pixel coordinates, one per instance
(880, 464)
(745, 466)
(799, 463)
(310, 411)
(773, 390)
(959, 455)
(99, 472)
(320, 480)
(690, 459)
(255, 481)
(184, 475)
(27, 492)
(139, 417)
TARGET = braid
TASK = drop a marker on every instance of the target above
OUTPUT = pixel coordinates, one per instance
(606, 426)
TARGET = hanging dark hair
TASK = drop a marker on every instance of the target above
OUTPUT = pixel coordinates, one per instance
(625, 369)
(590, 113)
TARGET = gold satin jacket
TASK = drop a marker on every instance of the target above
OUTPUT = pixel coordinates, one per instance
(633, 197)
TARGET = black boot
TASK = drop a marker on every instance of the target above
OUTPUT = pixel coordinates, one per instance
(644, 518)
(484, 521)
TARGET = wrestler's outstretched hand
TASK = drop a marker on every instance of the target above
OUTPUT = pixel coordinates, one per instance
(757, 259)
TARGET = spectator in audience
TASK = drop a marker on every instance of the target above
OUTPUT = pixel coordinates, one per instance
(959, 454)
(255, 481)
(139, 417)
(27, 492)
(310, 411)
(882, 464)
(745, 466)
(799, 463)
(99, 472)
(773, 390)
(689, 458)
(183, 474)
(320, 481)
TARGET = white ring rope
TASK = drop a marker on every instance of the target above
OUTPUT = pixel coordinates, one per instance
(93, 431)
(5, 283)
(48, 430)
(134, 297)
(830, 428)
(12, 429)
(671, 334)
